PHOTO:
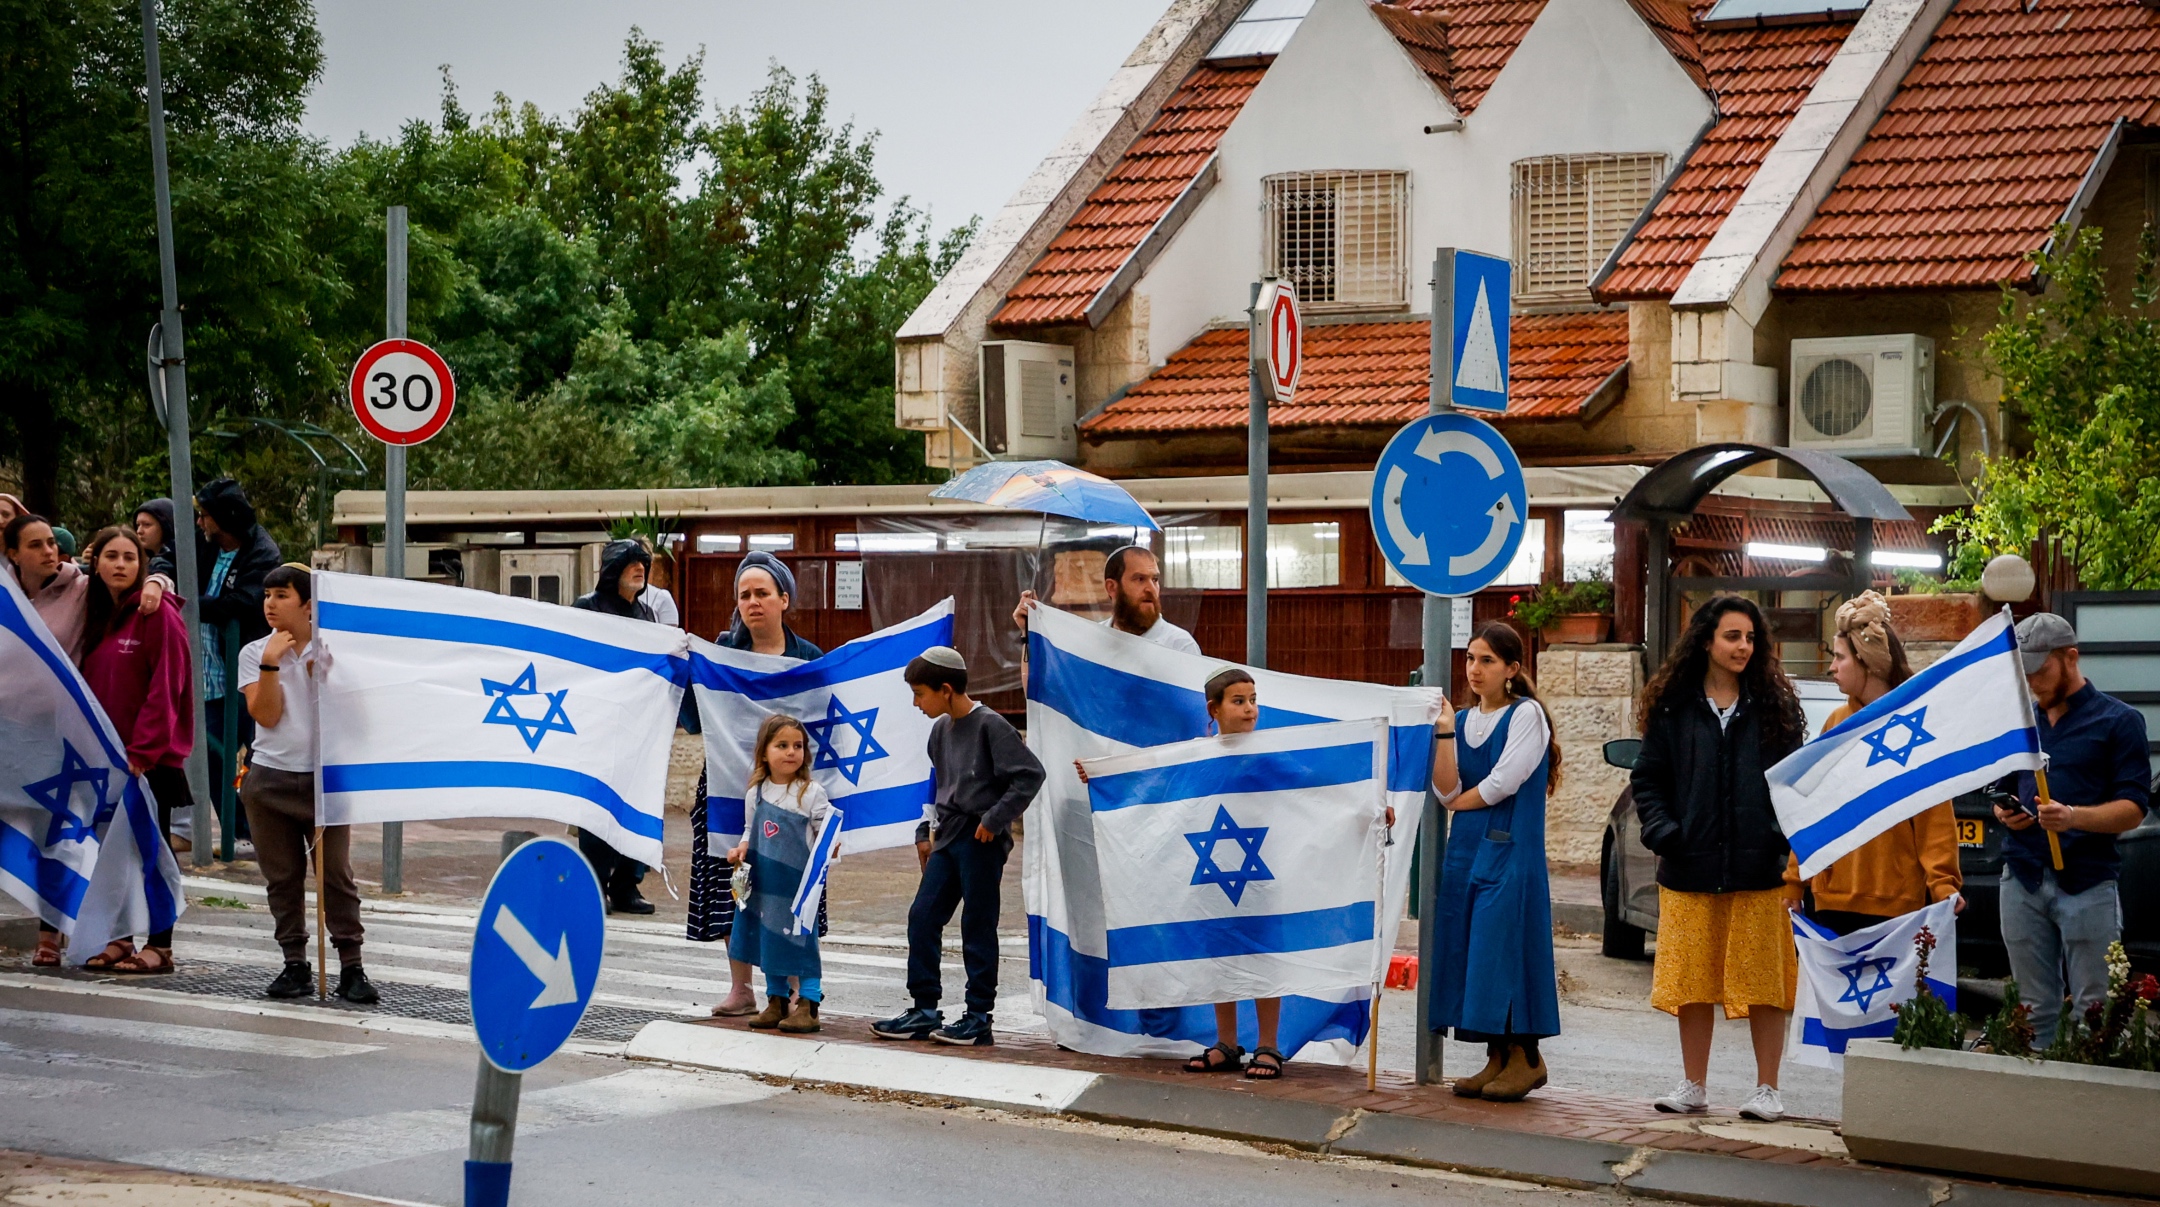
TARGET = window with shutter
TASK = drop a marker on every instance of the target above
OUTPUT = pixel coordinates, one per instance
(1338, 236)
(1570, 211)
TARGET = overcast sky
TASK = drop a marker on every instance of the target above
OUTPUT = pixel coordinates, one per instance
(967, 94)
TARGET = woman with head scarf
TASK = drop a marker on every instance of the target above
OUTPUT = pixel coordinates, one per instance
(764, 590)
(1914, 863)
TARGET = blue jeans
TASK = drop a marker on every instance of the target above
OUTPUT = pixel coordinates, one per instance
(811, 990)
(2058, 944)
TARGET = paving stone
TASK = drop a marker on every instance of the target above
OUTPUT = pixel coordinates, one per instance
(1149, 1103)
(1557, 1159)
(1731, 1179)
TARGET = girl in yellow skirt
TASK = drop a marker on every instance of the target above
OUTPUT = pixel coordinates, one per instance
(1715, 717)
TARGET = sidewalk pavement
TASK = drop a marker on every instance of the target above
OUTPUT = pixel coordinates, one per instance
(1557, 1137)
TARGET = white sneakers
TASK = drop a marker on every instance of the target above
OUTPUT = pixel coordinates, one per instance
(1688, 1098)
(1767, 1105)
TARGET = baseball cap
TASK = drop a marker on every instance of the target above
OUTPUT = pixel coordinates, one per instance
(2041, 634)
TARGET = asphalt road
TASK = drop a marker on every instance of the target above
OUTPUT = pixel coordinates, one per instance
(212, 1087)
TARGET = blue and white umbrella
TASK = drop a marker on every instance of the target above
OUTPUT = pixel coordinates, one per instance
(1049, 487)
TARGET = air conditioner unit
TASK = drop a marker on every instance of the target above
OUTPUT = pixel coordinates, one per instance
(1027, 399)
(549, 576)
(1864, 395)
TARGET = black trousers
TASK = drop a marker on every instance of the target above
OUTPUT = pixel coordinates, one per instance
(967, 875)
(619, 874)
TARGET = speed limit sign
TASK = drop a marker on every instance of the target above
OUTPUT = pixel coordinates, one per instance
(402, 391)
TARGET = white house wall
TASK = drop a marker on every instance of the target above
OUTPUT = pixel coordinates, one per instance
(1588, 78)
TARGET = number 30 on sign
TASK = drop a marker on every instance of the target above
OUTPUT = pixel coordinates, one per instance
(402, 391)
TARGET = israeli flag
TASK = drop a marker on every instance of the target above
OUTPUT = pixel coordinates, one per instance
(1243, 866)
(869, 746)
(79, 840)
(1965, 721)
(1850, 987)
(1092, 692)
(823, 843)
(439, 702)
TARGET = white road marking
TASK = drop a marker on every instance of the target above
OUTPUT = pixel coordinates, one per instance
(17, 1088)
(321, 1150)
(174, 1035)
(87, 1060)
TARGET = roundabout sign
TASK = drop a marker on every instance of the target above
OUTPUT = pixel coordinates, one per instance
(1449, 504)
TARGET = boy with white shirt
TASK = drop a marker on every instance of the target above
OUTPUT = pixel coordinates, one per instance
(279, 792)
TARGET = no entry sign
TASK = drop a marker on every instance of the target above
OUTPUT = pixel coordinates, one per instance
(1279, 345)
(402, 391)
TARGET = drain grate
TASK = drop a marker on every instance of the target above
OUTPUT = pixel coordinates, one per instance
(202, 978)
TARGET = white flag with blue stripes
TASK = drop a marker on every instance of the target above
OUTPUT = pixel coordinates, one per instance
(1243, 866)
(1965, 721)
(1851, 986)
(79, 841)
(438, 702)
(1093, 691)
(824, 845)
(869, 744)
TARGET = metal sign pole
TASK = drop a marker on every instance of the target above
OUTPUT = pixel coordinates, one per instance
(495, 1109)
(1256, 487)
(393, 833)
(173, 409)
(1439, 669)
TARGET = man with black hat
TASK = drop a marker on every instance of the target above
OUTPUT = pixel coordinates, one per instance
(232, 557)
(623, 564)
(2099, 785)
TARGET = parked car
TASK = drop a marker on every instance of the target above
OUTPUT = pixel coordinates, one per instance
(1627, 871)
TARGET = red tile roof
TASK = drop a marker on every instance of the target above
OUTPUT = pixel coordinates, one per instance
(1758, 78)
(1110, 225)
(1983, 148)
(1460, 45)
(1369, 374)
(1674, 26)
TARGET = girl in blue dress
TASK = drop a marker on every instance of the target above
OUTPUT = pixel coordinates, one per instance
(780, 818)
(1493, 976)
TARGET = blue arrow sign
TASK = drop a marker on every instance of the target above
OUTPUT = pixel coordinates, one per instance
(1483, 286)
(1449, 504)
(536, 953)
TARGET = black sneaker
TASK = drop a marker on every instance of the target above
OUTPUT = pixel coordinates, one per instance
(354, 987)
(915, 1024)
(632, 902)
(970, 1029)
(298, 980)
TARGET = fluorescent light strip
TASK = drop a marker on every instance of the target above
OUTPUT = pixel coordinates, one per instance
(1786, 553)
(1906, 559)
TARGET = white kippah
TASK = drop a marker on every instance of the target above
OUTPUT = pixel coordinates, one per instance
(945, 656)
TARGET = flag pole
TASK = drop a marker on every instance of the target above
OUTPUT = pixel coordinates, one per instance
(322, 957)
(1372, 1042)
(2054, 842)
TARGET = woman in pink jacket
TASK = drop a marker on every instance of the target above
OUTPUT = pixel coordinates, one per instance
(137, 664)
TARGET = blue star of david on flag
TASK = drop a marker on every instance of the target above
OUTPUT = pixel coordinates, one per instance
(1915, 737)
(867, 748)
(1248, 838)
(1865, 998)
(503, 712)
(57, 794)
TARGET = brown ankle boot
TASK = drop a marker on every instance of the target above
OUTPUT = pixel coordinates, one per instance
(776, 1009)
(1474, 1085)
(803, 1019)
(1517, 1079)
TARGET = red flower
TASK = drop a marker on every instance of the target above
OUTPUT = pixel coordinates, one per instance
(2148, 987)
(1514, 599)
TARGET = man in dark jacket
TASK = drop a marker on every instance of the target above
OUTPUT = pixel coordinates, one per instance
(232, 555)
(623, 565)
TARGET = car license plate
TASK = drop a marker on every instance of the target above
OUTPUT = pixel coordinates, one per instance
(1971, 832)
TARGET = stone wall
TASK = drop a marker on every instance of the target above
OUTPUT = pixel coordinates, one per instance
(1589, 691)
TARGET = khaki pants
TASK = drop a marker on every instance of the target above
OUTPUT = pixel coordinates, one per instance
(281, 812)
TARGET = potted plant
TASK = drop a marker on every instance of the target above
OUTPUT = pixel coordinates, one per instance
(1577, 613)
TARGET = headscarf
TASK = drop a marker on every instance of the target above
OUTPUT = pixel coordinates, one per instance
(782, 577)
(1864, 620)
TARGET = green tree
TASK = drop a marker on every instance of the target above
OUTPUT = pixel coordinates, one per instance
(2081, 377)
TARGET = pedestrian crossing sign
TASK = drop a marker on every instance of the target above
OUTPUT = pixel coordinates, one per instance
(1483, 286)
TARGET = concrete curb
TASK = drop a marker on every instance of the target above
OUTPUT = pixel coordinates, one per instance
(1316, 1127)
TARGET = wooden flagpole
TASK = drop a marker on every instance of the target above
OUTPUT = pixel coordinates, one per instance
(2054, 843)
(322, 958)
(1372, 1043)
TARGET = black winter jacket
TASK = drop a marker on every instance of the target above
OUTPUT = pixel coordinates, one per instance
(1703, 801)
(240, 597)
(606, 595)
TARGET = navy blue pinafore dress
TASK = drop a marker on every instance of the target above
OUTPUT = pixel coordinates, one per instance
(1492, 970)
(779, 850)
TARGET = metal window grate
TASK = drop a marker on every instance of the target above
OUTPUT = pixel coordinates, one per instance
(1338, 236)
(1570, 210)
